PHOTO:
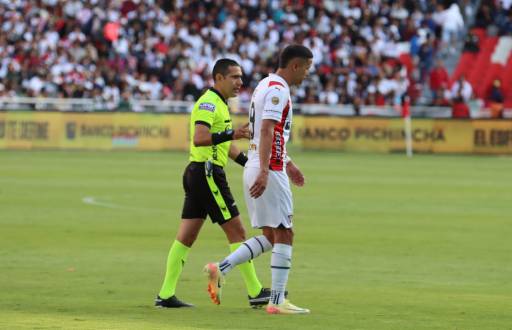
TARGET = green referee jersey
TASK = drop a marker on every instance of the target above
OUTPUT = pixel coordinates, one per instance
(211, 110)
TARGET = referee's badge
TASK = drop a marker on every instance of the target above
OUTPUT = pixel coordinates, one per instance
(207, 106)
(275, 100)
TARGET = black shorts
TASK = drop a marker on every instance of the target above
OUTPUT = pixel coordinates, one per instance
(207, 195)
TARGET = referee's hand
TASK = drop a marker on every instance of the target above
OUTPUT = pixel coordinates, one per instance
(260, 184)
(242, 132)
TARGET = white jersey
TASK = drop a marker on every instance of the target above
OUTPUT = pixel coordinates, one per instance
(270, 100)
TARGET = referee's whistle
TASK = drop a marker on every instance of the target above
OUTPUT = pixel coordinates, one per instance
(208, 168)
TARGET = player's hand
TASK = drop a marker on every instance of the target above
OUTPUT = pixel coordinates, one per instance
(259, 186)
(295, 174)
(242, 132)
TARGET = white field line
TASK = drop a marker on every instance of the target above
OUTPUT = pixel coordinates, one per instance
(97, 202)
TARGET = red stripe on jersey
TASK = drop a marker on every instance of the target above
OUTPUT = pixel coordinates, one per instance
(273, 83)
(276, 158)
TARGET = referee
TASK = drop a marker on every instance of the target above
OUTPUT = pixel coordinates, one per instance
(206, 188)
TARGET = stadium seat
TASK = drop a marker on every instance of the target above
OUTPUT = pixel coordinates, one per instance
(482, 64)
(464, 67)
(507, 84)
(506, 78)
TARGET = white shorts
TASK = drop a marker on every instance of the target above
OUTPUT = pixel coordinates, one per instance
(274, 207)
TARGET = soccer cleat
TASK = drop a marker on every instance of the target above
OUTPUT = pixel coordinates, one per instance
(262, 298)
(172, 302)
(286, 308)
(215, 281)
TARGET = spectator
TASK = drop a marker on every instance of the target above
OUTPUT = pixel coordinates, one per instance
(460, 110)
(467, 9)
(461, 90)
(426, 57)
(441, 97)
(438, 78)
(461, 93)
(504, 17)
(495, 99)
(174, 43)
(484, 17)
(329, 95)
(471, 44)
(452, 24)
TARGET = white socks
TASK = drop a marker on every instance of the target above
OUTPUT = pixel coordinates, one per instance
(280, 263)
(249, 250)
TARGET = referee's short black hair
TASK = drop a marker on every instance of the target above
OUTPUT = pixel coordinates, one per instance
(222, 67)
(293, 51)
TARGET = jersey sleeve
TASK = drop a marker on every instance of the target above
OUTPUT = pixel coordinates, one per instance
(205, 113)
(274, 104)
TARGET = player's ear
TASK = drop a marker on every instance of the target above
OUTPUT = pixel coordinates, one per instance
(218, 77)
(296, 63)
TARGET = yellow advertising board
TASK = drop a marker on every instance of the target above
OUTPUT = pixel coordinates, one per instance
(28, 130)
(388, 135)
(104, 131)
(492, 136)
(147, 131)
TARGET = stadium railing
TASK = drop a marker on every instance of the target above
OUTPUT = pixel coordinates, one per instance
(90, 105)
(169, 106)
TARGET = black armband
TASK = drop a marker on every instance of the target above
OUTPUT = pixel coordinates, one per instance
(241, 159)
(220, 137)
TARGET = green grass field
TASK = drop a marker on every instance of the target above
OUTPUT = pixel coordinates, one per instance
(382, 242)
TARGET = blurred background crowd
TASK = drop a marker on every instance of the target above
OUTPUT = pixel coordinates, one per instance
(366, 52)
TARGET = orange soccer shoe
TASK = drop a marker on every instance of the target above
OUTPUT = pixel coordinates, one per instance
(215, 281)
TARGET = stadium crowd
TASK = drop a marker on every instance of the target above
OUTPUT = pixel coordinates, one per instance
(113, 51)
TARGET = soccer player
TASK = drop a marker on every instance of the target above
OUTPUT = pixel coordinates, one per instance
(206, 188)
(266, 179)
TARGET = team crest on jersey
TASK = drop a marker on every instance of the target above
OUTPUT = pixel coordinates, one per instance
(275, 100)
(207, 106)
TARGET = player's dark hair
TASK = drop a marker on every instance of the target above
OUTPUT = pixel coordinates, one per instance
(222, 67)
(293, 51)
